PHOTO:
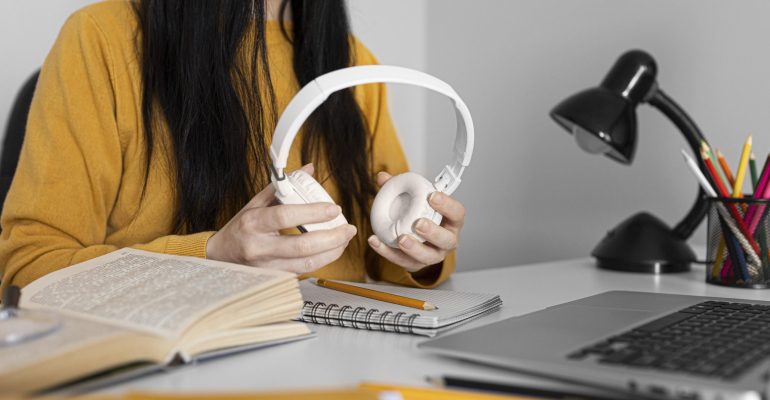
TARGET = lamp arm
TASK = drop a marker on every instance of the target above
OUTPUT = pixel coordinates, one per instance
(685, 228)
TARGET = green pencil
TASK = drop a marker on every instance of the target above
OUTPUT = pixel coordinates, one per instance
(753, 167)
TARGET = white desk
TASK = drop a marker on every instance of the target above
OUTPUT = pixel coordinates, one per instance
(345, 357)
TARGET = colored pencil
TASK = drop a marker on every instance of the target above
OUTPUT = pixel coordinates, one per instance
(424, 393)
(704, 183)
(737, 184)
(741, 174)
(734, 249)
(705, 146)
(514, 391)
(702, 180)
(754, 213)
(376, 295)
(722, 191)
(754, 176)
(725, 168)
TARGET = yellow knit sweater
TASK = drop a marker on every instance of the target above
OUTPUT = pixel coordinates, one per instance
(77, 190)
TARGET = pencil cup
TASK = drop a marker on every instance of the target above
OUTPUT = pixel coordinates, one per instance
(738, 248)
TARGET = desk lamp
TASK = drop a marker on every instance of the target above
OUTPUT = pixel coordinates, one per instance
(603, 121)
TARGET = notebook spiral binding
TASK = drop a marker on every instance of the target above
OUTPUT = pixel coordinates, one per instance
(360, 318)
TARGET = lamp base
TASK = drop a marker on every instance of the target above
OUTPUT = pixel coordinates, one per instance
(643, 243)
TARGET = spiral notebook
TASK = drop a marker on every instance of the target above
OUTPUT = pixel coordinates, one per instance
(331, 307)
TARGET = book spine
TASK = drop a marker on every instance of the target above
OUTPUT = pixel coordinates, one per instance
(358, 317)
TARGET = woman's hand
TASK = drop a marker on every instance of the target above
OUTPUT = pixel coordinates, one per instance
(251, 237)
(439, 239)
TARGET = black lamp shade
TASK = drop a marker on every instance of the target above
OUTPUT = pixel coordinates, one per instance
(603, 118)
(602, 122)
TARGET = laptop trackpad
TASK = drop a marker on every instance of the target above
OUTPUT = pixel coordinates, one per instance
(548, 334)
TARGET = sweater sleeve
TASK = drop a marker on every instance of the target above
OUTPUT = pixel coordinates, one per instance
(387, 155)
(70, 167)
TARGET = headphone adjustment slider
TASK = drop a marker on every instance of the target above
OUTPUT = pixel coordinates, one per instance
(447, 181)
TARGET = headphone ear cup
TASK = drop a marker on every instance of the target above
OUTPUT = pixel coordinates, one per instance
(305, 190)
(309, 188)
(401, 201)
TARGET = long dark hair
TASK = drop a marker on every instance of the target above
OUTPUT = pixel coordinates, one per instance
(217, 102)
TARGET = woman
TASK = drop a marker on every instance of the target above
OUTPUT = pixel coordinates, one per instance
(150, 127)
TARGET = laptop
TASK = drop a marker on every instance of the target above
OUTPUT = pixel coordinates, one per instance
(643, 344)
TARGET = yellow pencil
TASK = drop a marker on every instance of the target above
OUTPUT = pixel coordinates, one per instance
(739, 177)
(377, 295)
(421, 393)
(737, 193)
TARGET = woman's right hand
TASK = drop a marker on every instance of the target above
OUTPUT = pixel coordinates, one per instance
(252, 236)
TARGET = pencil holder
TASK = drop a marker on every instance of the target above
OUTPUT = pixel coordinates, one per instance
(738, 242)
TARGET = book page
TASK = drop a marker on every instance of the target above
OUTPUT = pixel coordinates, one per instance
(157, 293)
(69, 335)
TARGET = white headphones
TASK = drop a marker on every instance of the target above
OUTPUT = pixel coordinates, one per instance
(404, 198)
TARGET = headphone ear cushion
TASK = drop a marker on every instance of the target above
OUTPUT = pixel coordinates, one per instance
(401, 201)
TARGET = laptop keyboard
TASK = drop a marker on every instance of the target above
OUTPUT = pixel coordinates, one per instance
(715, 339)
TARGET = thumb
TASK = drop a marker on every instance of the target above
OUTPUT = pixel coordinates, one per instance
(383, 177)
(309, 168)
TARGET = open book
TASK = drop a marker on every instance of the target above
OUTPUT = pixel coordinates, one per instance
(132, 307)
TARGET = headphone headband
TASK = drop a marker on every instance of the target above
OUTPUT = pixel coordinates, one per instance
(316, 92)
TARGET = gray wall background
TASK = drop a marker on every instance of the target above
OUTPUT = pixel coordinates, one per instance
(531, 194)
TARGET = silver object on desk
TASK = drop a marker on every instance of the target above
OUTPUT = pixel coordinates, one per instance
(19, 326)
(565, 342)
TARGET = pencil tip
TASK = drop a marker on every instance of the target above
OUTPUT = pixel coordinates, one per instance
(429, 307)
(748, 140)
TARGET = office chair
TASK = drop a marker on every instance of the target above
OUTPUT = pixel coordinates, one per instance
(14, 134)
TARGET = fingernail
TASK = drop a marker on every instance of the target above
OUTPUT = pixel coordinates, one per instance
(374, 241)
(421, 225)
(406, 242)
(436, 198)
(333, 210)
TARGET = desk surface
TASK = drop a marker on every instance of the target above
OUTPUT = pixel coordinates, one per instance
(345, 357)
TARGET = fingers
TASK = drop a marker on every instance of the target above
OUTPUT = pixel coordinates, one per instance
(282, 216)
(302, 265)
(411, 254)
(311, 243)
(452, 210)
(438, 236)
(396, 256)
(382, 177)
(421, 252)
(309, 168)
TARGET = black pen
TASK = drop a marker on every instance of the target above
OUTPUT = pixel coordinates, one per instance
(466, 383)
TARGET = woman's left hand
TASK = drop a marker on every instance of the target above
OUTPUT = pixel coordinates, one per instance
(439, 239)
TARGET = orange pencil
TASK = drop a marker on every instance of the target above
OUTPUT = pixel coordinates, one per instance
(726, 168)
(377, 295)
